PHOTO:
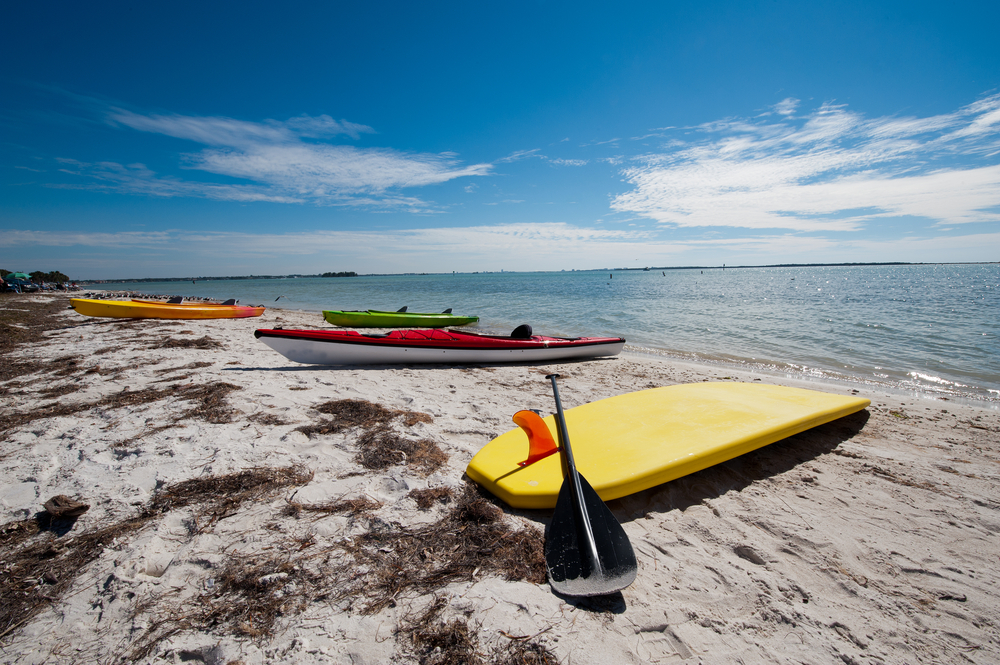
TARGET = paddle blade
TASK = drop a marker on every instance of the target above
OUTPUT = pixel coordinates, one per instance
(572, 570)
(540, 441)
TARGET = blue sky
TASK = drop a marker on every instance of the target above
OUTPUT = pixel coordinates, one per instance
(207, 139)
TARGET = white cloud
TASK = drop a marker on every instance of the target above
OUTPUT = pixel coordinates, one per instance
(137, 179)
(518, 155)
(786, 106)
(236, 133)
(279, 164)
(832, 170)
(323, 171)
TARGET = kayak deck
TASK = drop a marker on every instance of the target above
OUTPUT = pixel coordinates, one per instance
(337, 347)
(372, 318)
(127, 309)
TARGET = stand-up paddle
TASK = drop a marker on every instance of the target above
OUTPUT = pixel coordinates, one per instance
(587, 552)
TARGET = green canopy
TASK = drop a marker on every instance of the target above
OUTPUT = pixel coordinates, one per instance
(18, 275)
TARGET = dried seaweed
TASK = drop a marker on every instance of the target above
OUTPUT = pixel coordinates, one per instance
(65, 366)
(437, 642)
(254, 593)
(41, 572)
(205, 342)
(353, 507)
(13, 534)
(24, 319)
(379, 446)
(382, 448)
(58, 391)
(195, 365)
(221, 496)
(472, 538)
(358, 413)
(426, 498)
(210, 399)
(523, 652)
(39, 567)
(267, 419)
(247, 598)
(12, 420)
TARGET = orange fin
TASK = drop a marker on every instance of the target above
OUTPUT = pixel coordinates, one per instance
(540, 441)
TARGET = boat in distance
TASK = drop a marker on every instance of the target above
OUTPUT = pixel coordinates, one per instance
(349, 347)
(374, 318)
(127, 309)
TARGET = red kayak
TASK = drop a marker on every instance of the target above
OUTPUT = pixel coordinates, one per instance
(348, 347)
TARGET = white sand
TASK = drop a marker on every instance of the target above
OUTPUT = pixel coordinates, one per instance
(871, 545)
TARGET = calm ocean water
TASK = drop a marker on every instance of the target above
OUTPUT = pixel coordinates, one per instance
(928, 328)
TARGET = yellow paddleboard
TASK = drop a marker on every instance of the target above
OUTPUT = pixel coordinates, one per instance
(632, 442)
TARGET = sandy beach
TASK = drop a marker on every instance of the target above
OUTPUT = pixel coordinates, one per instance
(245, 509)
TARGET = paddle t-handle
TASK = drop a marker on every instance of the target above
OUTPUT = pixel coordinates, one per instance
(586, 531)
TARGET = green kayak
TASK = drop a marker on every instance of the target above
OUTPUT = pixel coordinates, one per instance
(372, 318)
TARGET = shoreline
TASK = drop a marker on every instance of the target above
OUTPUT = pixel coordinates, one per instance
(772, 369)
(869, 539)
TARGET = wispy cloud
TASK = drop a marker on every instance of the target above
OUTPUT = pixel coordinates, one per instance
(536, 153)
(786, 106)
(518, 155)
(829, 170)
(137, 179)
(291, 161)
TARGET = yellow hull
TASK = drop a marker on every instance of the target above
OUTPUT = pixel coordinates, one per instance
(127, 309)
(632, 442)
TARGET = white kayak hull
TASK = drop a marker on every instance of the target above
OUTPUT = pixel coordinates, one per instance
(315, 352)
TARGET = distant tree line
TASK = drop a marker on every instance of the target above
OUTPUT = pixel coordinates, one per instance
(39, 276)
(340, 274)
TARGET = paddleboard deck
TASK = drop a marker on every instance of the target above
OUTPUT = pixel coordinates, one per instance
(632, 442)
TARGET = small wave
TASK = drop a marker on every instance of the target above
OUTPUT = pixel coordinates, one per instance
(936, 379)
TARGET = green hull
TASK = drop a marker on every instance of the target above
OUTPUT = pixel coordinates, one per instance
(375, 319)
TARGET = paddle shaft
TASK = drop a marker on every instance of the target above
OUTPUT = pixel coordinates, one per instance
(572, 477)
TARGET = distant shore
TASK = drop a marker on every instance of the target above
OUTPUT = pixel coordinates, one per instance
(642, 269)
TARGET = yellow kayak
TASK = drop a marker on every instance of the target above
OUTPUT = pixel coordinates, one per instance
(129, 309)
(632, 442)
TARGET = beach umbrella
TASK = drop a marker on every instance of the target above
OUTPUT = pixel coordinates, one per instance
(18, 275)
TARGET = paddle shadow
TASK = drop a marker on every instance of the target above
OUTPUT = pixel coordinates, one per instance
(612, 603)
(739, 473)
